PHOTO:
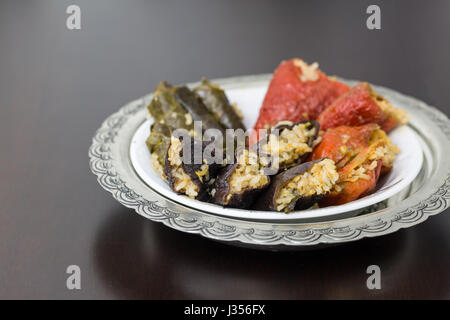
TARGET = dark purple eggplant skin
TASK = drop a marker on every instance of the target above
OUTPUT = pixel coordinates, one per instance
(310, 141)
(268, 197)
(190, 170)
(240, 200)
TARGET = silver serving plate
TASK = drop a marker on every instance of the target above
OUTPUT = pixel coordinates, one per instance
(427, 195)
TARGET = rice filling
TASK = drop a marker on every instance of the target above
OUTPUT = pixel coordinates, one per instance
(182, 181)
(156, 165)
(290, 144)
(400, 115)
(309, 72)
(249, 174)
(381, 149)
(318, 180)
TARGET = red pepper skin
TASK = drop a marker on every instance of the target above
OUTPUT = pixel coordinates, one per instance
(289, 98)
(389, 124)
(355, 108)
(353, 190)
(354, 139)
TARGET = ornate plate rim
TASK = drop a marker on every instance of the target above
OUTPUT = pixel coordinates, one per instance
(109, 161)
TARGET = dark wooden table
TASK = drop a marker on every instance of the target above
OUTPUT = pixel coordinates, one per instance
(57, 86)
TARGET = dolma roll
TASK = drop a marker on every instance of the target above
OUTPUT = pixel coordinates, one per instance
(157, 143)
(165, 108)
(361, 154)
(239, 183)
(184, 174)
(168, 116)
(194, 105)
(299, 187)
(359, 106)
(217, 103)
(297, 91)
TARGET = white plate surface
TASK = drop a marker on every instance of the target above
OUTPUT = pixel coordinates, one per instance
(406, 167)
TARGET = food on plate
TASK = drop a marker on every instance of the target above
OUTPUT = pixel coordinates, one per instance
(341, 144)
(194, 105)
(297, 91)
(157, 143)
(362, 105)
(324, 144)
(239, 183)
(184, 175)
(299, 187)
(361, 153)
(288, 144)
(216, 101)
(175, 108)
(168, 116)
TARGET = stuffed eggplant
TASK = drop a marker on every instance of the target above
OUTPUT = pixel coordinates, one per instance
(361, 154)
(288, 144)
(217, 103)
(239, 183)
(186, 174)
(299, 187)
(359, 106)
